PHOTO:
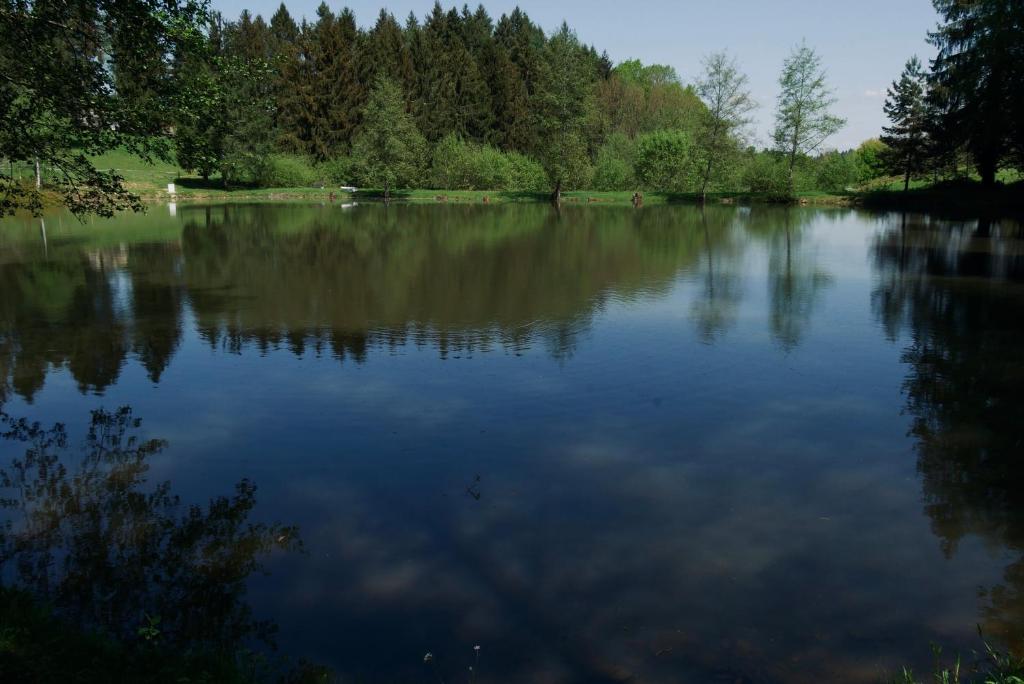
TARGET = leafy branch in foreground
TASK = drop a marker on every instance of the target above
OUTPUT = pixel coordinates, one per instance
(83, 77)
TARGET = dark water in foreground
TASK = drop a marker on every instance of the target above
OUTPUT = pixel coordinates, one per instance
(746, 445)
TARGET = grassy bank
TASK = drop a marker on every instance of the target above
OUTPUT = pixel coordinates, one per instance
(188, 190)
(962, 196)
(150, 182)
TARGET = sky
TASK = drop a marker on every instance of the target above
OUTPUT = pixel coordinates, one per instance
(863, 44)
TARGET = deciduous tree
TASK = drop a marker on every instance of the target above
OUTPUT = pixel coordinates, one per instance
(803, 120)
(390, 149)
(723, 89)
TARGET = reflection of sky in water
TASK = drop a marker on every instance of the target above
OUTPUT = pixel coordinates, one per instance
(658, 503)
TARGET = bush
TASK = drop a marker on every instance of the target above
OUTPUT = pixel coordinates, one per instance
(614, 167)
(766, 174)
(871, 159)
(458, 165)
(527, 174)
(567, 161)
(836, 172)
(665, 161)
(489, 169)
(286, 171)
(337, 171)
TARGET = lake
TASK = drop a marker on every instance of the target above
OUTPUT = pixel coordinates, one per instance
(740, 444)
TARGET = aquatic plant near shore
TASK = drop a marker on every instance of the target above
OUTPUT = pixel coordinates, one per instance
(992, 667)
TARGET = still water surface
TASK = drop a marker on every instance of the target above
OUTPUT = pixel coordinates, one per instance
(743, 445)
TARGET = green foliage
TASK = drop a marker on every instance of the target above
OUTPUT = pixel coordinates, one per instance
(993, 667)
(66, 95)
(288, 171)
(458, 165)
(767, 174)
(389, 151)
(977, 82)
(565, 110)
(871, 159)
(638, 99)
(728, 106)
(337, 171)
(803, 121)
(905, 138)
(665, 160)
(526, 173)
(836, 172)
(614, 167)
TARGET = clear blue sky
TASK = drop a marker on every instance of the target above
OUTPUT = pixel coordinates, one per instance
(863, 44)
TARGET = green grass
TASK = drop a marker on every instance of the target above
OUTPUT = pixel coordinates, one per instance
(150, 181)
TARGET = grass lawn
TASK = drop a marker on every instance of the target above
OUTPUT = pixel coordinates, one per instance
(150, 182)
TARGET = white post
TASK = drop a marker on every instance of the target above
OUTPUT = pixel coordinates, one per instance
(170, 189)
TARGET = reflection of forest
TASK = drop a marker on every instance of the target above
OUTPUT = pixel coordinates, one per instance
(83, 534)
(315, 278)
(324, 280)
(957, 292)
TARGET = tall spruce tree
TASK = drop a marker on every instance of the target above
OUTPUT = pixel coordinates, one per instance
(386, 53)
(906, 137)
(980, 67)
(296, 92)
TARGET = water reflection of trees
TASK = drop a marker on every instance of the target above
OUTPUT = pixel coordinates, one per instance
(956, 291)
(795, 281)
(84, 534)
(714, 308)
(317, 280)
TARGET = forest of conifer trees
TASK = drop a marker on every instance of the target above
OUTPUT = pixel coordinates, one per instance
(497, 103)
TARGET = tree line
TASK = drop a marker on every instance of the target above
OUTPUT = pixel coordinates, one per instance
(453, 100)
(459, 100)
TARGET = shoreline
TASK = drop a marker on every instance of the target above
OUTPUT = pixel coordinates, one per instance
(575, 197)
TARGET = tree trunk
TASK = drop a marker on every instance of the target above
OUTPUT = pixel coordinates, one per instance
(39, 176)
(556, 196)
(387, 193)
(906, 180)
(704, 183)
(987, 171)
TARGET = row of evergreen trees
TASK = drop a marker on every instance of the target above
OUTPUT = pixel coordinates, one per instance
(967, 111)
(304, 88)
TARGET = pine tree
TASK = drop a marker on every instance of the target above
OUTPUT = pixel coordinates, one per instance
(980, 66)
(284, 39)
(905, 137)
(513, 126)
(386, 52)
(296, 94)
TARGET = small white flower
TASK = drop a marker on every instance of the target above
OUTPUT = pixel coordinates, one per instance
(427, 658)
